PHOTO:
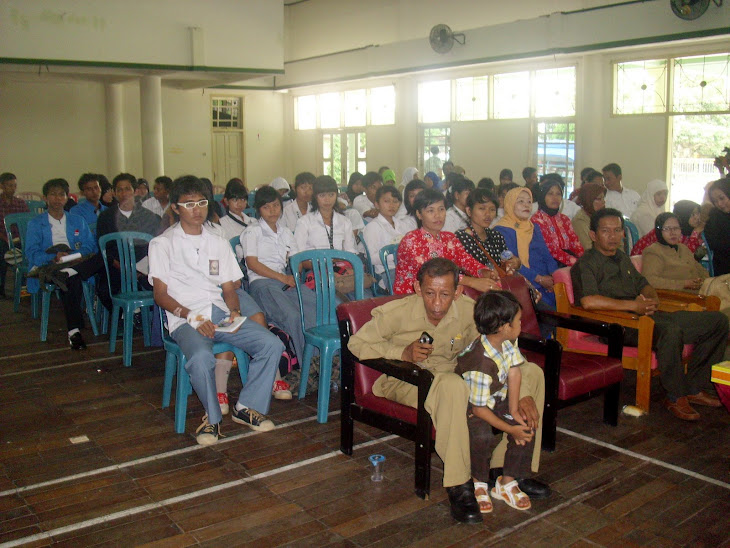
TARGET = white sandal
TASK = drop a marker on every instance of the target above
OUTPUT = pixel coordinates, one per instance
(484, 497)
(505, 494)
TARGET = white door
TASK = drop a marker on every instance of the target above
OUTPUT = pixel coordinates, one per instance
(227, 156)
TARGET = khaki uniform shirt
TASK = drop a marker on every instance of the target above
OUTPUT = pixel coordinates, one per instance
(666, 268)
(397, 324)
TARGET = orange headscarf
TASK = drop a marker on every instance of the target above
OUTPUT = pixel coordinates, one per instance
(523, 229)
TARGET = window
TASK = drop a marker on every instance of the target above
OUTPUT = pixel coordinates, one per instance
(434, 101)
(332, 155)
(226, 112)
(329, 110)
(512, 95)
(382, 106)
(472, 98)
(434, 136)
(342, 154)
(306, 115)
(556, 150)
(701, 84)
(640, 87)
(356, 103)
(555, 92)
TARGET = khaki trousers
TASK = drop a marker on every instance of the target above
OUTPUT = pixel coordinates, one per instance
(533, 384)
(446, 403)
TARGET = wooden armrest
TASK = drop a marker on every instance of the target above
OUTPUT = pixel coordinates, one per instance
(404, 371)
(625, 319)
(681, 300)
(583, 324)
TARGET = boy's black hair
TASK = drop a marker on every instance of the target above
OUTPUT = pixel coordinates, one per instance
(266, 195)
(481, 196)
(460, 184)
(303, 178)
(388, 189)
(613, 168)
(585, 171)
(7, 176)
(322, 185)
(87, 178)
(527, 172)
(506, 173)
(143, 182)
(605, 212)
(437, 267)
(506, 187)
(165, 181)
(190, 184)
(426, 198)
(493, 309)
(55, 183)
(124, 177)
(236, 189)
(487, 183)
(370, 178)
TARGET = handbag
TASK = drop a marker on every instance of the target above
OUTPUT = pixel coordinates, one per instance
(718, 286)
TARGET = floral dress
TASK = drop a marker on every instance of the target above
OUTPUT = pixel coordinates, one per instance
(561, 239)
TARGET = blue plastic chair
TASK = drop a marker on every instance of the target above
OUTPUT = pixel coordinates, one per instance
(251, 212)
(96, 316)
(390, 250)
(376, 289)
(707, 260)
(325, 334)
(36, 206)
(129, 297)
(20, 221)
(631, 235)
(175, 365)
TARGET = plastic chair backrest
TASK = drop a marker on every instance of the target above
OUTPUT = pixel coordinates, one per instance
(390, 250)
(20, 221)
(125, 242)
(324, 280)
(710, 254)
(631, 235)
(29, 196)
(36, 206)
(251, 212)
(370, 267)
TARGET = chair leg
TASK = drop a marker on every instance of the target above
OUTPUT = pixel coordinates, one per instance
(304, 376)
(113, 326)
(181, 396)
(549, 425)
(34, 305)
(16, 292)
(146, 325)
(45, 313)
(325, 375)
(128, 334)
(643, 386)
(611, 402)
(170, 370)
(103, 318)
(89, 300)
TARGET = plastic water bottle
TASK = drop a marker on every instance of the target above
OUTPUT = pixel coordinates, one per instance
(378, 462)
(506, 255)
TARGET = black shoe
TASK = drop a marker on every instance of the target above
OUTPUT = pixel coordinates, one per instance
(77, 342)
(464, 505)
(531, 487)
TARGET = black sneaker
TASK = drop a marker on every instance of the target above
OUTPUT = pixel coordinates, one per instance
(207, 434)
(252, 418)
(77, 342)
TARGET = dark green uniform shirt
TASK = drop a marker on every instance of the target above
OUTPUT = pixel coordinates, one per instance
(609, 276)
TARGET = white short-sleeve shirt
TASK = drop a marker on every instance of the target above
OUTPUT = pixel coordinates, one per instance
(193, 268)
(153, 204)
(626, 201)
(378, 233)
(272, 249)
(311, 233)
(291, 214)
(362, 203)
(455, 220)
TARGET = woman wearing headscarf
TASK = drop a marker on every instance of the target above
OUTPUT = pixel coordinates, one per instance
(556, 229)
(653, 202)
(525, 241)
(591, 198)
(388, 177)
(432, 180)
(409, 174)
(688, 213)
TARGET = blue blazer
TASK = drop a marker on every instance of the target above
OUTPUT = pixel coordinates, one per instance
(38, 239)
(86, 210)
(542, 262)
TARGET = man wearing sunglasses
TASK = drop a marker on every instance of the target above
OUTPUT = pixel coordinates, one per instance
(193, 272)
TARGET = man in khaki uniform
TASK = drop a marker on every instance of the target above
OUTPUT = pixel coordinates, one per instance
(439, 308)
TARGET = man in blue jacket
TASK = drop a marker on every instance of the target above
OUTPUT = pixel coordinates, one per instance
(90, 208)
(57, 227)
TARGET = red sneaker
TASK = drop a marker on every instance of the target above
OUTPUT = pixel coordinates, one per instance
(223, 401)
(282, 390)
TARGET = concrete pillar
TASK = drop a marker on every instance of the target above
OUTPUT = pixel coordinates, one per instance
(114, 129)
(593, 106)
(150, 100)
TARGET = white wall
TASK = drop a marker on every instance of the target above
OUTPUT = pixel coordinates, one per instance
(235, 33)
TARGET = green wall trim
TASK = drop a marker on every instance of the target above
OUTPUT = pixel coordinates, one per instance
(229, 86)
(524, 55)
(136, 66)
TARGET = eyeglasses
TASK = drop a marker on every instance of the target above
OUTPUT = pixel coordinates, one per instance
(671, 229)
(191, 205)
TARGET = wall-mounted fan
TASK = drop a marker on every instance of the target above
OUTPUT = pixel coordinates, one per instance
(442, 38)
(691, 9)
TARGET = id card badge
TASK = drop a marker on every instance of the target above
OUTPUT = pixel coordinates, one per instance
(213, 267)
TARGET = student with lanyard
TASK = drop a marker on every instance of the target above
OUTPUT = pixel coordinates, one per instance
(235, 221)
(301, 204)
(456, 217)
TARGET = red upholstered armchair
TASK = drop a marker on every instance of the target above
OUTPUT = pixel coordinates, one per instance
(568, 378)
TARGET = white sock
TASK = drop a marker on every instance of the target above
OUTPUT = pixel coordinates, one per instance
(240, 406)
(69, 271)
(73, 332)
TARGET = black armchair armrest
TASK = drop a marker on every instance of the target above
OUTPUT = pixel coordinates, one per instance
(405, 371)
(611, 331)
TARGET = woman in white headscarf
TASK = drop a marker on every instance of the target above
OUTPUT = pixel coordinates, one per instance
(409, 174)
(653, 202)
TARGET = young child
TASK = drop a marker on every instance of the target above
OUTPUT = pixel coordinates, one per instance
(490, 366)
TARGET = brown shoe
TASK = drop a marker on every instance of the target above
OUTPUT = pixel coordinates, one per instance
(682, 409)
(703, 398)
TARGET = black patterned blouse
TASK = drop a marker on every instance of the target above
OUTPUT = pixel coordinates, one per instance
(494, 243)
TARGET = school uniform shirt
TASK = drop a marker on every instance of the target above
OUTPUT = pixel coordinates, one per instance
(625, 201)
(311, 233)
(86, 210)
(233, 225)
(455, 220)
(153, 204)
(272, 249)
(378, 233)
(362, 203)
(291, 214)
(193, 267)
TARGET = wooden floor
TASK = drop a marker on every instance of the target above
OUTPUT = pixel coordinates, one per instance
(650, 481)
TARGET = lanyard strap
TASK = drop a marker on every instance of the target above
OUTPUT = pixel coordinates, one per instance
(330, 233)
